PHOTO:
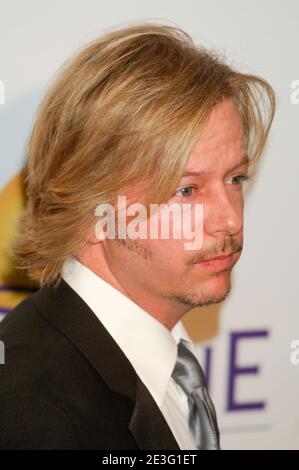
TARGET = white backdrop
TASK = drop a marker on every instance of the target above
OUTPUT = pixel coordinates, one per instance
(253, 382)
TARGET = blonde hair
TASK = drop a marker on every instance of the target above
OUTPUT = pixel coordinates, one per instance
(124, 112)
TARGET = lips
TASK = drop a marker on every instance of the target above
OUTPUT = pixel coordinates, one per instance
(219, 263)
(219, 257)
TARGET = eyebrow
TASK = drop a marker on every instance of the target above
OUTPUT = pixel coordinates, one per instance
(244, 161)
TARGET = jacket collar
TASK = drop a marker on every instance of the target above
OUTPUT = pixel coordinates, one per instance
(65, 309)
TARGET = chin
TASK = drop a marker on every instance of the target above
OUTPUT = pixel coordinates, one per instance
(215, 290)
(208, 292)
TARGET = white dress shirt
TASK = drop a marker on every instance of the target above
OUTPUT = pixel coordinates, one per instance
(149, 346)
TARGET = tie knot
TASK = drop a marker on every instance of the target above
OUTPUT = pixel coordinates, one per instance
(187, 371)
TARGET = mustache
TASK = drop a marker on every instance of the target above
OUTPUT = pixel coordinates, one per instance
(227, 247)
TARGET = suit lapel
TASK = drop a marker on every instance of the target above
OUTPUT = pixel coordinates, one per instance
(148, 425)
(65, 309)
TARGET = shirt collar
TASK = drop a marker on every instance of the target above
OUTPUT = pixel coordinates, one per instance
(148, 344)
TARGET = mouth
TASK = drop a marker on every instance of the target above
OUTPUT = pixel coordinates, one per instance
(220, 263)
(224, 256)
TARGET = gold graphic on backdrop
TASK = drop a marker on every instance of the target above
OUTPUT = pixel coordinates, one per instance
(202, 324)
(14, 285)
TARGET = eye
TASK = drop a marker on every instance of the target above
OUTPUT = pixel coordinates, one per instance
(239, 179)
(185, 192)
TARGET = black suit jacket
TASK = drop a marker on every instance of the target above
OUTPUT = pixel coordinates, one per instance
(66, 384)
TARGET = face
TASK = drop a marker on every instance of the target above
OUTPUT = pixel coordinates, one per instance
(162, 269)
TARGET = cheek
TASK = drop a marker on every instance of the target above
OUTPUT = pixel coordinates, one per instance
(163, 256)
(170, 252)
(166, 271)
(237, 199)
(168, 257)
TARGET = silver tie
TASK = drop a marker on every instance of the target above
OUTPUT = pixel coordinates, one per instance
(202, 415)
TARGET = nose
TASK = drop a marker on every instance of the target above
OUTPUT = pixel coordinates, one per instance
(223, 212)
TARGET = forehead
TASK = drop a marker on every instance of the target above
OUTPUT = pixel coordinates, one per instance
(221, 135)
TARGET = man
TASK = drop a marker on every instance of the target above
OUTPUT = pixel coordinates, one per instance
(98, 357)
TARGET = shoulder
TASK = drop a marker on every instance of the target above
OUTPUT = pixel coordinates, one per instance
(39, 360)
(51, 382)
(22, 323)
(28, 338)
